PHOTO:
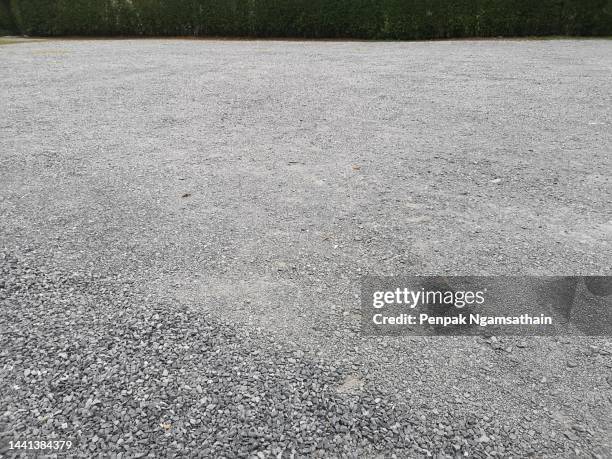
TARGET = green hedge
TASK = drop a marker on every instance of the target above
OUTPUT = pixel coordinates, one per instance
(378, 19)
(7, 23)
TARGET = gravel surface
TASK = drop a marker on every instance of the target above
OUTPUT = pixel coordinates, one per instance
(184, 223)
(87, 359)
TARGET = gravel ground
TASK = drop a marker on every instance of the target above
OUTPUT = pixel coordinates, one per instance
(184, 224)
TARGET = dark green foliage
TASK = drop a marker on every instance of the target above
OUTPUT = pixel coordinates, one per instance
(378, 19)
(34, 17)
(7, 22)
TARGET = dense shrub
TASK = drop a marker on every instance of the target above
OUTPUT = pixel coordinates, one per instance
(382, 19)
(7, 24)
